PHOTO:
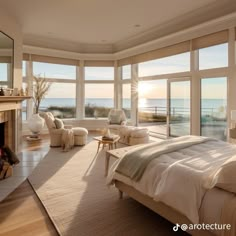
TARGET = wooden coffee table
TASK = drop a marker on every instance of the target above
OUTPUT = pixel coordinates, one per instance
(111, 143)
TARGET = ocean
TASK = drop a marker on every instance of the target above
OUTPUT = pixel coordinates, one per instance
(179, 105)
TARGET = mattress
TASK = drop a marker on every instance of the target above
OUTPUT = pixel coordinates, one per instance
(213, 200)
(213, 203)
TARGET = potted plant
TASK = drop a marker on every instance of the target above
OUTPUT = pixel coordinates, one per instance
(40, 88)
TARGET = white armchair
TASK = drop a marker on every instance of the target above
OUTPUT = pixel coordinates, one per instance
(56, 128)
(116, 120)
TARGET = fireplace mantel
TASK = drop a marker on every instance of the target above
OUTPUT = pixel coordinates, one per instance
(11, 102)
(13, 98)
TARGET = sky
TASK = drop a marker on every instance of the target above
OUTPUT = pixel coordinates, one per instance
(211, 57)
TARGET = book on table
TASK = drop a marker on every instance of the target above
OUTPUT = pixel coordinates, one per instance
(109, 138)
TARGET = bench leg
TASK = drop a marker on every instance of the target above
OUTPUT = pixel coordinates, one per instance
(98, 146)
(107, 160)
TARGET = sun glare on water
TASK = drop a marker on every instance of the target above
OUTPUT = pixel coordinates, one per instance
(143, 90)
(142, 102)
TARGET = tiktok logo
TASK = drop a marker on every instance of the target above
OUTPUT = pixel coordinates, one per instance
(176, 227)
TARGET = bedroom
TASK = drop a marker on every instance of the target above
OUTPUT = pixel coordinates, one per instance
(129, 63)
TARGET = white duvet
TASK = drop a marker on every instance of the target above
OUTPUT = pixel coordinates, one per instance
(180, 179)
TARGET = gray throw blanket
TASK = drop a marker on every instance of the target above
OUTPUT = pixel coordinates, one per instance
(134, 163)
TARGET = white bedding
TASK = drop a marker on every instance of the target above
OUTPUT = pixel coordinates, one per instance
(211, 210)
(180, 179)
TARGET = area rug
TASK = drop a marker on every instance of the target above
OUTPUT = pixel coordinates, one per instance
(71, 186)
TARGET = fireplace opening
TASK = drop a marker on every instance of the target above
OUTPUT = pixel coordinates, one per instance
(2, 134)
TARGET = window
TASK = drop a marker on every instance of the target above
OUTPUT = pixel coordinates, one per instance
(213, 57)
(55, 71)
(99, 99)
(166, 65)
(4, 72)
(24, 68)
(179, 107)
(24, 86)
(99, 73)
(24, 104)
(152, 105)
(214, 107)
(60, 100)
(126, 99)
(126, 72)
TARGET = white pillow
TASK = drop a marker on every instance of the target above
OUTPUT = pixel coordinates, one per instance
(115, 119)
(226, 177)
(139, 133)
(50, 123)
(59, 123)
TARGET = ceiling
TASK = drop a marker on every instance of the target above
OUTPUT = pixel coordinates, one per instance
(107, 26)
(5, 41)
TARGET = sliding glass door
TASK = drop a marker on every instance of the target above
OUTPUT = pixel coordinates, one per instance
(214, 107)
(152, 106)
(178, 107)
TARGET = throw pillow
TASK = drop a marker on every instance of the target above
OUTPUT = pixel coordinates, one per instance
(59, 123)
(115, 119)
(50, 122)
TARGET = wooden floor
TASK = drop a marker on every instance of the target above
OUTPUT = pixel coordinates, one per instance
(21, 213)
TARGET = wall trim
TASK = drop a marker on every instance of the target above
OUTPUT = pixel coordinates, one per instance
(211, 26)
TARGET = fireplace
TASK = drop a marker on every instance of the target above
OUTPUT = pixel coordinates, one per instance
(10, 115)
(2, 134)
(7, 129)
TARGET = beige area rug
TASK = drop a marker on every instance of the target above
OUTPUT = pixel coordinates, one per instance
(71, 186)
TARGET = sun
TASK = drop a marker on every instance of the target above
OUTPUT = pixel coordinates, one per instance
(144, 89)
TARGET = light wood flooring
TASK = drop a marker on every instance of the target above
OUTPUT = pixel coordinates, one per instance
(21, 213)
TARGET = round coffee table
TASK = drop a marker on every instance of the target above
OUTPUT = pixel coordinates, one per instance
(110, 142)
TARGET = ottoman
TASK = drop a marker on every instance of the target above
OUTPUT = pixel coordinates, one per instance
(138, 136)
(80, 136)
(131, 135)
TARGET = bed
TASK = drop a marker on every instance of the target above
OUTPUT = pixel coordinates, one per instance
(189, 180)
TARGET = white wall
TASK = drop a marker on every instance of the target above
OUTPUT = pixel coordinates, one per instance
(9, 26)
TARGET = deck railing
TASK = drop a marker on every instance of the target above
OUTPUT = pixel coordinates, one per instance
(162, 110)
(174, 111)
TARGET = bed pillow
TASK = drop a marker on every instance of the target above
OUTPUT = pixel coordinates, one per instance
(115, 119)
(227, 176)
(59, 123)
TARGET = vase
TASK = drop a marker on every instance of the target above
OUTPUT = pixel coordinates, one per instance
(35, 124)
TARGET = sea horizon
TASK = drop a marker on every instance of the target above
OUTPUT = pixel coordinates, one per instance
(179, 105)
(108, 102)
